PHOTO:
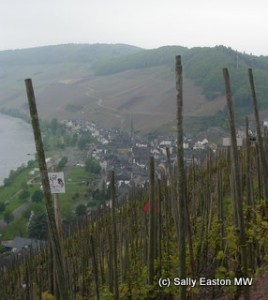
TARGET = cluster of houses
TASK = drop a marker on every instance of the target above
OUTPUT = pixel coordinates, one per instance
(128, 154)
(17, 247)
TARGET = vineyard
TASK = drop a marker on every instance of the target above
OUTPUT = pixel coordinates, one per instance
(205, 221)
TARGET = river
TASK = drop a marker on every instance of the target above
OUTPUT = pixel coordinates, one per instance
(16, 144)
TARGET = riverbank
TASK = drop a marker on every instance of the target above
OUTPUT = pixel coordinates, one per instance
(17, 144)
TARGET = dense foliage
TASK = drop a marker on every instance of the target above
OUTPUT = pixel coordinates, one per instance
(37, 196)
(92, 166)
(38, 226)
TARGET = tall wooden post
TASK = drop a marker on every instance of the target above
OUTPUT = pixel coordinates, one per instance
(236, 179)
(181, 178)
(59, 260)
(95, 267)
(259, 136)
(248, 166)
(114, 238)
(151, 244)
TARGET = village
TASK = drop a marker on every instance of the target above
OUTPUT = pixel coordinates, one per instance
(128, 153)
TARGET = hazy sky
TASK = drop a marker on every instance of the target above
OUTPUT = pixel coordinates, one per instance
(240, 24)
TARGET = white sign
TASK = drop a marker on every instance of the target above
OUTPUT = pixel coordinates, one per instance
(56, 181)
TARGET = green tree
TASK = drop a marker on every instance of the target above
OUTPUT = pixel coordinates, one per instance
(93, 166)
(54, 125)
(82, 142)
(2, 206)
(37, 196)
(80, 210)
(30, 163)
(7, 182)
(84, 139)
(8, 217)
(24, 195)
(62, 163)
(2, 248)
(38, 226)
(74, 139)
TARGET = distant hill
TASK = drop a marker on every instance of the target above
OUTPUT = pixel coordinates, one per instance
(110, 83)
(69, 53)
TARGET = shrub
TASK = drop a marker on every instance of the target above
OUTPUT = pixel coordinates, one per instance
(2, 206)
(80, 210)
(24, 195)
(38, 226)
(93, 166)
(8, 217)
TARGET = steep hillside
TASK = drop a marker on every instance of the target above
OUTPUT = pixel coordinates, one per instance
(109, 83)
(107, 252)
(204, 66)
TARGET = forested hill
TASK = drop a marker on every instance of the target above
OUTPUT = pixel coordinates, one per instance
(139, 60)
(203, 65)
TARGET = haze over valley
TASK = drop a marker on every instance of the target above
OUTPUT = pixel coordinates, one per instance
(107, 84)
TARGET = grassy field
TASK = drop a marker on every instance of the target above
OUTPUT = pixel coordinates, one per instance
(10, 194)
(79, 184)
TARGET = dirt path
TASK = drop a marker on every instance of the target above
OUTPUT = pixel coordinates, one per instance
(3, 225)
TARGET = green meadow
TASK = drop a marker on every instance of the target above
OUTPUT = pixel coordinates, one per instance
(18, 194)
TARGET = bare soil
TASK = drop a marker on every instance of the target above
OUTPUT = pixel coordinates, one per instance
(149, 95)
